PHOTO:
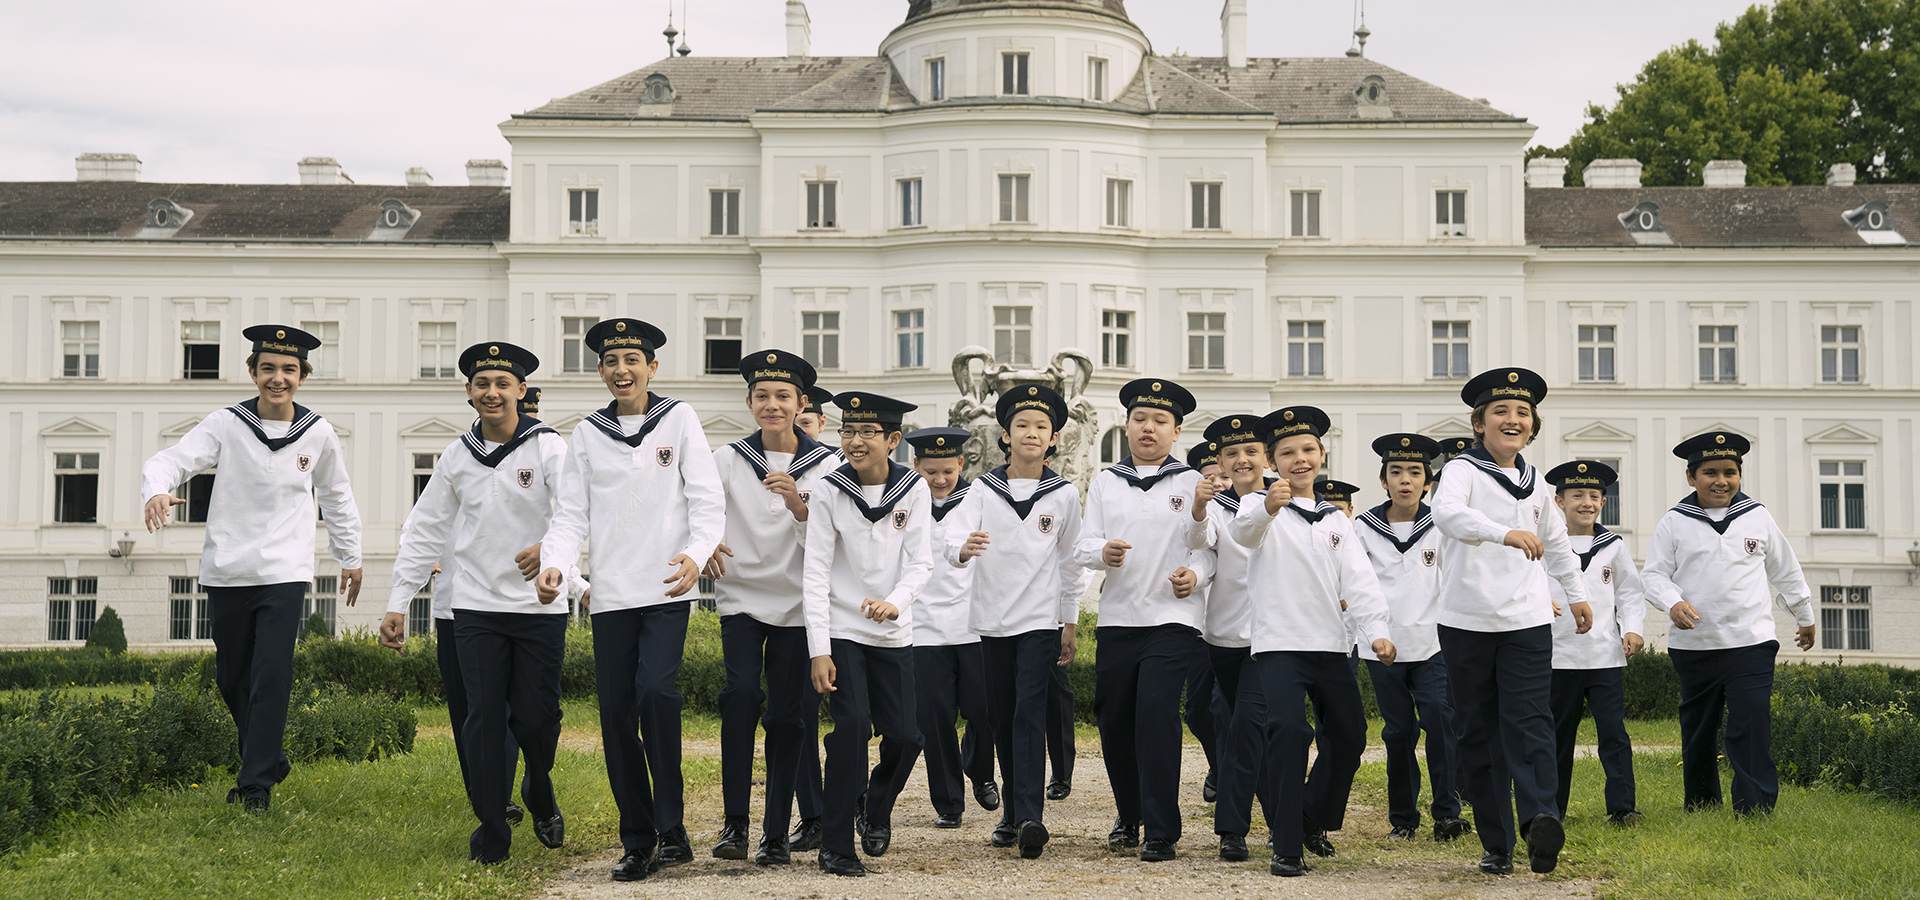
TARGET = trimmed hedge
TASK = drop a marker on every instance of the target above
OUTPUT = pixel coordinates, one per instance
(1874, 750)
(31, 669)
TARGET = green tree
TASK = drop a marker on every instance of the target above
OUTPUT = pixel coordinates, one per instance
(109, 633)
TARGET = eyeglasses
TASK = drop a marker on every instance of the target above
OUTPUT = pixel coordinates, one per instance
(865, 434)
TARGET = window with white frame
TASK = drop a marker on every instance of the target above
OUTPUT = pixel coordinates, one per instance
(1205, 212)
(199, 350)
(1303, 214)
(723, 212)
(820, 338)
(583, 212)
(1096, 79)
(575, 358)
(76, 487)
(1610, 514)
(1594, 348)
(1113, 445)
(1116, 338)
(1452, 344)
(1840, 354)
(823, 204)
(71, 604)
(320, 602)
(326, 358)
(910, 338)
(1846, 617)
(420, 610)
(423, 464)
(1013, 334)
(1843, 494)
(1307, 349)
(439, 349)
(1450, 213)
(198, 492)
(1013, 73)
(936, 79)
(80, 349)
(1207, 341)
(724, 344)
(908, 190)
(1119, 203)
(1014, 195)
(188, 616)
(1719, 354)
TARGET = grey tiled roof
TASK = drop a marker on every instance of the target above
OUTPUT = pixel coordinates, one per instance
(1320, 89)
(1717, 217)
(705, 87)
(118, 209)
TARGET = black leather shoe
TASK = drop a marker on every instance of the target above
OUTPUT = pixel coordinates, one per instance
(1058, 790)
(1451, 829)
(675, 849)
(1403, 833)
(1033, 839)
(1004, 835)
(1288, 867)
(1156, 850)
(877, 839)
(635, 867)
(1317, 844)
(942, 820)
(1626, 819)
(1124, 836)
(233, 795)
(1209, 789)
(733, 840)
(805, 836)
(1545, 837)
(1233, 848)
(514, 815)
(1496, 864)
(551, 831)
(772, 851)
(834, 864)
(256, 800)
(987, 794)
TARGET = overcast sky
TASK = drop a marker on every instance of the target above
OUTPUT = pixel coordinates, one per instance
(239, 90)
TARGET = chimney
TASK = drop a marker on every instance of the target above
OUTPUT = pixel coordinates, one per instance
(1724, 173)
(106, 167)
(1838, 175)
(799, 29)
(418, 176)
(486, 173)
(1546, 172)
(323, 170)
(1612, 173)
(1233, 33)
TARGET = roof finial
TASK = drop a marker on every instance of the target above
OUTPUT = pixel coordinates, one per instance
(670, 31)
(1360, 32)
(684, 19)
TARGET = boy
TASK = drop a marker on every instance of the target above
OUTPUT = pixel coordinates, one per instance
(276, 460)
(1449, 448)
(867, 560)
(485, 509)
(1021, 524)
(1404, 548)
(1338, 493)
(767, 476)
(1717, 561)
(806, 794)
(1204, 457)
(1587, 668)
(1146, 517)
(641, 489)
(1308, 550)
(1497, 524)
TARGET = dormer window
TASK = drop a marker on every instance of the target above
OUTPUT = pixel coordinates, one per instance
(393, 221)
(1873, 223)
(166, 214)
(1643, 224)
(1370, 98)
(659, 89)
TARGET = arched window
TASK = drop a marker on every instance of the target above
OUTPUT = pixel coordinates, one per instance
(1113, 445)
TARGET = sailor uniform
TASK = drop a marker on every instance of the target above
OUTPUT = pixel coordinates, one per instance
(1242, 732)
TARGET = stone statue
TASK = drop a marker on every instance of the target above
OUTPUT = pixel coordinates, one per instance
(981, 381)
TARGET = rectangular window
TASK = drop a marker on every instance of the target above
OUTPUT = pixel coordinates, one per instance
(724, 345)
(1096, 79)
(1013, 73)
(423, 464)
(1450, 213)
(1116, 338)
(1610, 514)
(820, 339)
(1303, 214)
(1843, 494)
(1846, 617)
(1013, 198)
(1307, 349)
(70, 608)
(80, 349)
(325, 359)
(76, 487)
(188, 618)
(1206, 205)
(1013, 334)
(420, 611)
(936, 79)
(910, 338)
(198, 492)
(1450, 349)
(320, 602)
(575, 358)
(583, 212)
(199, 350)
(1840, 354)
(1119, 203)
(909, 190)
(1719, 354)
(1595, 348)
(439, 349)
(723, 213)
(1207, 341)
(823, 201)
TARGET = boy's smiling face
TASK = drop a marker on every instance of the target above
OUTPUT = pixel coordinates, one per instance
(1715, 481)
(1582, 507)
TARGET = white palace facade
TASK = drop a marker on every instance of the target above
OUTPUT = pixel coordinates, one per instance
(1022, 175)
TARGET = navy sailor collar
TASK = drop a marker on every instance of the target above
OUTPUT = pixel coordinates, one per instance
(524, 431)
(1690, 507)
(608, 419)
(1376, 519)
(806, 454)
(997, 481)
(951, 502)
(1321, 509)
(1601, 538)
(248, 411)
(900, 479)
(1229, 499)
(1483, 461)
(1124, 469)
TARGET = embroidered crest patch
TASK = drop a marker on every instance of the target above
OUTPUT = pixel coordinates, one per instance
(1333, 540)
(664, 456)
(899, 520)
(1536, 517)
(524, 478)
(1429, 557)
(1606, 574)
(1753, 546)
(1178, 502)
(806, 496)
(303, 462)
(1046, 524)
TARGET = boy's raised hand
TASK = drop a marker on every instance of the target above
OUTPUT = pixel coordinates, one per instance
(975, 546)
(1526, 542)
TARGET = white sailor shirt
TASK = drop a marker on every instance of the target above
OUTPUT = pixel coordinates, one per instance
(1618, 600)
(1484, 584)
(866, 542)
(1028, 579)
(1306, 560)
(1406, 560)
(941, 615)
(1229, 603)
(1148, 508)
(1730, 564)
(763, 574)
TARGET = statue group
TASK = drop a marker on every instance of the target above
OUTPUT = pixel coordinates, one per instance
(981, 380)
